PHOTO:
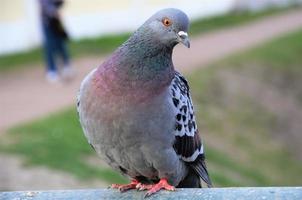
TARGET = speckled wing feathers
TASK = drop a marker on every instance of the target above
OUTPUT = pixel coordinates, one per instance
(187, 142)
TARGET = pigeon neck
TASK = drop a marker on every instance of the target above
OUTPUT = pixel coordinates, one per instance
(137, 70)
(143, 60)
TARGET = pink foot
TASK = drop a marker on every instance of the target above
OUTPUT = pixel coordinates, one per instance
(125, 187)
(162, 184)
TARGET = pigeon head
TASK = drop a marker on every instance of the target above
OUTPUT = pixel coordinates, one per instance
(146, 57)
(168, 27)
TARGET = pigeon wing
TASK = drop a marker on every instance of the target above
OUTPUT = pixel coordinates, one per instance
(187, 143)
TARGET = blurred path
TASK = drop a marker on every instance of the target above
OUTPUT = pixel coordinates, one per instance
(25, 95)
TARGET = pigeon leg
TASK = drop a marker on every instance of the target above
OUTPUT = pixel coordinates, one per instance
(162, 184)
(125, 187)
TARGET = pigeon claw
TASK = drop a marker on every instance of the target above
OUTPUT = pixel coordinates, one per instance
(125, 187)
(162, 184)
(141, 187)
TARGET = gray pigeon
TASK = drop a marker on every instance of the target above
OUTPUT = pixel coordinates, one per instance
(137, 113)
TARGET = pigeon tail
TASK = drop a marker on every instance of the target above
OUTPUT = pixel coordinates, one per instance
(192, 180)
(199, 166)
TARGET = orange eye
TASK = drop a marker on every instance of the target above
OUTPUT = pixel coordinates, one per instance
(167, 22)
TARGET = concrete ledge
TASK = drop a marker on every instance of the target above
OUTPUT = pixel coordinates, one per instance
(249, 193)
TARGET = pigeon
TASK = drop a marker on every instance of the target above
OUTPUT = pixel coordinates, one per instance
(137, 113)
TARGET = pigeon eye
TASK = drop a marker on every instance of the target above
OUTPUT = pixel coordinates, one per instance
(167, 22)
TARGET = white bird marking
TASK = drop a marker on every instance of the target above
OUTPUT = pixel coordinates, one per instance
(194, 155)
(182, 33)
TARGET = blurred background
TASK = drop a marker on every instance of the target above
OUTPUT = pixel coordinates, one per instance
(244, 69)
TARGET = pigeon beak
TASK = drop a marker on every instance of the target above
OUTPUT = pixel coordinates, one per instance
(184, 38)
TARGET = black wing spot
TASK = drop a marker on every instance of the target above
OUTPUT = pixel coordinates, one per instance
(190, 126)
(178, 126)
(173, 93)
(178, 116)
(176, 102)
(184, 108)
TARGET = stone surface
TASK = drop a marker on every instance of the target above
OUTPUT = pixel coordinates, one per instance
(251, 193)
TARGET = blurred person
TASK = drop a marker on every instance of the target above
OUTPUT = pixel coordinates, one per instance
(55, 38)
